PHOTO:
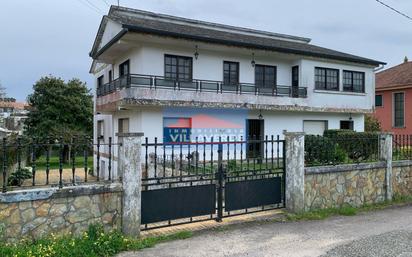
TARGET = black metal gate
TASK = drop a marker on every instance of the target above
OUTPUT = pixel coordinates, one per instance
(210, 179)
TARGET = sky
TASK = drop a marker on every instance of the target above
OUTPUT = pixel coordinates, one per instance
(54, 37)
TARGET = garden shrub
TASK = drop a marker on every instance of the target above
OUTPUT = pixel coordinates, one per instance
(17, 178)
(360, 146)
(322, 151)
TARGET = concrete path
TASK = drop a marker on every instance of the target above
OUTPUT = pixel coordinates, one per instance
(381, 233)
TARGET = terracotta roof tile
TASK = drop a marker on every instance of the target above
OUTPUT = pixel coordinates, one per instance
(400, 75)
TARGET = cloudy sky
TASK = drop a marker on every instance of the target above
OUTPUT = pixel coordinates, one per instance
(42, 37)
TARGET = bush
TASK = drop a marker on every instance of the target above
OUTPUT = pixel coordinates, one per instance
(17, 178)
(322, 151)
(359, 146)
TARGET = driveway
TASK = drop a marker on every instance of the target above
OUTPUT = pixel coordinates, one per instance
(381, 233)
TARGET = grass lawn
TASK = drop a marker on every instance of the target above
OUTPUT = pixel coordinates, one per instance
(93, 243)
(54, 163)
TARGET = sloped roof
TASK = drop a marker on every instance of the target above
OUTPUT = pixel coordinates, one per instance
(177, 27)
(397, 76)
(14, 105)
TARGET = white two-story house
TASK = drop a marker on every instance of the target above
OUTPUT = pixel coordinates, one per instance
(178, 79)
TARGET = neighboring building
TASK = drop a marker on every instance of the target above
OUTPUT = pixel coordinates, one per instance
(12, 116)
(393, 100)
(177, 79)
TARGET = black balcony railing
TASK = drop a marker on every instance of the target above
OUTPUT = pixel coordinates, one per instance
(155, 82)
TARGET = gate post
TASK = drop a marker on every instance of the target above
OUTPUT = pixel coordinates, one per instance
(386, 156)
(295, 171)
(131, 168)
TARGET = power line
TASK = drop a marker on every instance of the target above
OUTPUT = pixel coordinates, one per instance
(88, 6)
(395, 10)
(104, 1)
(95, 6)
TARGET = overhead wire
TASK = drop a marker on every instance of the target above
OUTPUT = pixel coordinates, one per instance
(394, 9)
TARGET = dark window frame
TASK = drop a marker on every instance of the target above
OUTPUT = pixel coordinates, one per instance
(350, 124)
(350, 87)
(228, 81)
(264, 67)
(110, 74)
(121, 68)
(326, 79)
(398, 120)
(381, 101)
(179, 74)
(100, 81)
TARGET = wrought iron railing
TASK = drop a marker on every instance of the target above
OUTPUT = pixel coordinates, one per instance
(402, 147)
(27, 163)
(155, 82)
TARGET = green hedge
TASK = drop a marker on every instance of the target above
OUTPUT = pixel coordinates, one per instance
(341, 146)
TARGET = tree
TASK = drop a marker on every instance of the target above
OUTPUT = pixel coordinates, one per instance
(372, 124)
(59, 109)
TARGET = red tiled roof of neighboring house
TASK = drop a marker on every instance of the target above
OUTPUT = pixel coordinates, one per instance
(14, 105)
(395, 77)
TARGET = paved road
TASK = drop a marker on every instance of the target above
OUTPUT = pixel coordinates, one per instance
(381, 233)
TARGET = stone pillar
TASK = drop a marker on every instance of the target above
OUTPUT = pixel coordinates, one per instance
(295, 171)
(131, 168)
(386, 156)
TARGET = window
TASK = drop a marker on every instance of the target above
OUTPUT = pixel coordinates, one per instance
(123, 125)
(398, 109)
(346, 124)
(378, 100)
(326, 79)
(124, 68)
(100, 129)
(110, 76)
(178, 67)
(100, 81)
(353, 81)
(265, 76)
(230, 73)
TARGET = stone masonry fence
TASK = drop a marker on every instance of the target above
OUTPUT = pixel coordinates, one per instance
(37, 212)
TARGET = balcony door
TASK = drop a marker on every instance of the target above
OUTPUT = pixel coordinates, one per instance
(255, 133)
(265, 78)
(295, 81)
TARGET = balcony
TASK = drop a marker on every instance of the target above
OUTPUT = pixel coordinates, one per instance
(195, 85)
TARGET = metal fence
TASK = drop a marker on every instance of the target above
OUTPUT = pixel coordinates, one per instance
(29, 163)
(323, 151)
(402, 147)
(210, 178)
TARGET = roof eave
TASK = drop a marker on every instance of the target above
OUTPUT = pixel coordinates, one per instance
(116, 38)
(140, 29)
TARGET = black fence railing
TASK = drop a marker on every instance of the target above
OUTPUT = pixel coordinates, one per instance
(402, 147)
(324, 151)
(29, 163)
(210, 178)
(149, 81)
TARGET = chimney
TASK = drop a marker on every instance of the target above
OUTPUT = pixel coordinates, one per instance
(406, 59)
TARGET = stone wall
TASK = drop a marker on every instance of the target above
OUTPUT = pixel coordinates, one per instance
(402, 178)
(39, 212)
(353, 184)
